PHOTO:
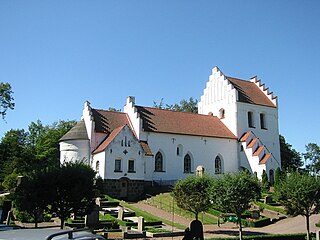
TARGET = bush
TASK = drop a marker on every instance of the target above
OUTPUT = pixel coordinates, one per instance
(24, 217)
(256, 223)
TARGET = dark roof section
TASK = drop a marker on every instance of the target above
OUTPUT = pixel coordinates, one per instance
(107, 121)
(249, 92)
(146, 148)
(78, 132)
(175, 122)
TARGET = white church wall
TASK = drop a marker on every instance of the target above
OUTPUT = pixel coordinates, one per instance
(203, 151)
(99, 164)
(123, 148)
(74, 150)
(268, 136)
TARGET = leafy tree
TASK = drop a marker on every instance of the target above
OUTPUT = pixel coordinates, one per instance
(33, 194)
(184, 105)
(278, 178)
(192, 194)
(233, 193)
(73, 190)
(290, 158)
(300, 194)
(6, 99)
(312, 155)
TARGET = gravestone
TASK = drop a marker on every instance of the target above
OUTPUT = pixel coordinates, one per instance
(140, 224)
(200, 170)
(267, 199)
(196, 230)
(120, 213)
(92, 219)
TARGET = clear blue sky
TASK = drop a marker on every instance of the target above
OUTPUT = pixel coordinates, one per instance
(58, 54)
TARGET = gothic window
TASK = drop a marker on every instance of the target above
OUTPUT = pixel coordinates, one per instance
(187, 164)
(131, 165)
(158, 163)
(117, 165)
(217, 165)
(179, 150)
(263, 121)
(250, 119)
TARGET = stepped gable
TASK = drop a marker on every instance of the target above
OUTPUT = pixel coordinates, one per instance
(78, 132)
(176, 122)
(249, 92)
(107, 121)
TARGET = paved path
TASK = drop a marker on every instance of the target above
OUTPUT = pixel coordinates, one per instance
(285, 226)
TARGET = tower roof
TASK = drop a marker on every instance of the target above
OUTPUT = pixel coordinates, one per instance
(78, 132)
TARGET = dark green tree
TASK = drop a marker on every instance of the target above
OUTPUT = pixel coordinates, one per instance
(73, 190)
(32, 195)
(312, 156)
(300, 194)
(6, 99)
(190, 105)
(193, 194)
(290, 159)
(278, 178)
(233, 193)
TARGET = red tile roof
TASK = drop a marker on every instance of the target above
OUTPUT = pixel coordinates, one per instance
(249, 92)
(105, 143)
(176, 122)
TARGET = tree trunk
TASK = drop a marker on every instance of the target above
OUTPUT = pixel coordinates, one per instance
(308, 227)
(197, 214)
(240, 226)
(61, 222)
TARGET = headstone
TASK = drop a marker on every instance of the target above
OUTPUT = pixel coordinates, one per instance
(196, 230)
(120, 213)
(267, 199)
(255, 214)
(140, 224)
(92, 219)
(200, 170)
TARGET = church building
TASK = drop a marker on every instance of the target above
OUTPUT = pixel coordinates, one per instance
(236, 128)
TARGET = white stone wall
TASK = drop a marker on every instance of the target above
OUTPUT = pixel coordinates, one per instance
(74, 150)
(203, 151)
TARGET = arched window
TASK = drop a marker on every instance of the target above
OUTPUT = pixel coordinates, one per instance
(221, 113)
(263, 121)
(217, 165)
(158, 163)
(179, 150)
(187, 164)
(250, 119)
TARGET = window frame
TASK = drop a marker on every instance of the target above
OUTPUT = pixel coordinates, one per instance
(158, 162)
(118, 165)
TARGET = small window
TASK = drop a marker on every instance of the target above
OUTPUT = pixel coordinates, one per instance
(97, 166)
(158, 166)
(179, 150)
(131, 165)
(187, 164)
(222, 113)
(217, 165)
(250, 119)
(263, 121)
(117, 165)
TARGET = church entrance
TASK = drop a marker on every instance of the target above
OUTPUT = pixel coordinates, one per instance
(123, 187)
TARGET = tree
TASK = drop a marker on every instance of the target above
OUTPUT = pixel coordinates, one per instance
(184, 105)
(192, 194)
(73, 190)
(290, 158)
(312, 155)
(300, 194)
(33, 194)
(6, 99)
(233, 193)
